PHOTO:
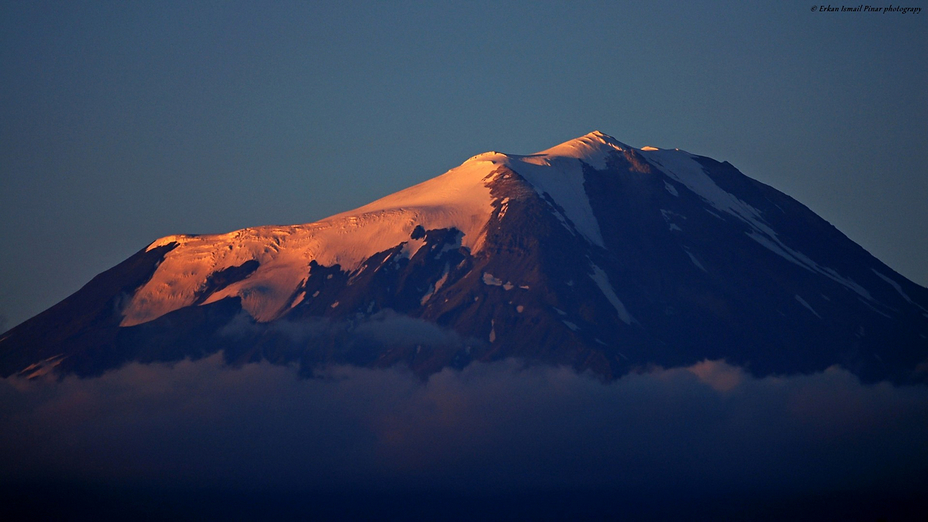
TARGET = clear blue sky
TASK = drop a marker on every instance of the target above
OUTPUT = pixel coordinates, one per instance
(121, 122)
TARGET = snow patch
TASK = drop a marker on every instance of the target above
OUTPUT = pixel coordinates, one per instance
(668, 218)
(503, 207)
(873, 308)
(602, 280)
(488, 279)
(806, 305)
(898, 289)
(437, 286)
(412, 246)
(41, 368)
(180, 239)
(695, 261)
(298, 300)
(428, 295)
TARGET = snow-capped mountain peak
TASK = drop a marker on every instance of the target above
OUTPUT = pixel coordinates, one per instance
(590, 253)
(592, 148)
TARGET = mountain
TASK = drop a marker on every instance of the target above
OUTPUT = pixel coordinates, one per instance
(591, 254)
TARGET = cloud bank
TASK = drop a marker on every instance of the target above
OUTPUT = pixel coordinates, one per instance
(710, 430)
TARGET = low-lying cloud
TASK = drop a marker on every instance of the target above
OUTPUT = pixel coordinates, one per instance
(706, 429)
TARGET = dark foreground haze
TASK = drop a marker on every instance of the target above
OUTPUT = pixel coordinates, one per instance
(202, 439)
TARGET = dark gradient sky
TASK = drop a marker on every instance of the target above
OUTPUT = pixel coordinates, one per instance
(123, 122)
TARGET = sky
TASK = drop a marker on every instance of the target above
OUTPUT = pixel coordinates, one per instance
(122, 122)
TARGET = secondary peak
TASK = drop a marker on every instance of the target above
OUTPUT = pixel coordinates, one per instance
(592, 148)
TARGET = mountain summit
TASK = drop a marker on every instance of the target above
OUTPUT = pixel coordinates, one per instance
(592, 254)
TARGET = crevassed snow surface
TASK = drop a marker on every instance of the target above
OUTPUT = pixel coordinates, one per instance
(459, 198)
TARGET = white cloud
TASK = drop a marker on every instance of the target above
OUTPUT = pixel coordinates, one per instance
(709, 428)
